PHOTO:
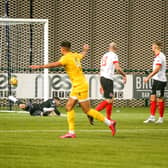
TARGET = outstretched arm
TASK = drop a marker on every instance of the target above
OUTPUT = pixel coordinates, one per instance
(85, 50)
(57, 112)
(49, 65)
(155, 71)
(120, 71)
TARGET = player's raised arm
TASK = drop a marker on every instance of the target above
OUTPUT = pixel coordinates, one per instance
(84, 50)
(49, 65)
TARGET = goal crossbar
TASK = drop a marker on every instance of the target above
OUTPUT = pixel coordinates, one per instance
(23, 20)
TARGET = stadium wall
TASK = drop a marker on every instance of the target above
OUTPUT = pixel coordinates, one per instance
(133, 24)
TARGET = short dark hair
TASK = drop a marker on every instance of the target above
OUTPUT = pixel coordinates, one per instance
(66, 44)
(158, 43)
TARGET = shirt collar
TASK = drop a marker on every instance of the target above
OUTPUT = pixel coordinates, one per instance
(157, 55)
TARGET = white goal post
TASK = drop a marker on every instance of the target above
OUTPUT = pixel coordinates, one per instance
(44, 23)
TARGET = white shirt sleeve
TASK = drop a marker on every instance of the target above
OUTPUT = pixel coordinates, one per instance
(158, 61)
(115, 59)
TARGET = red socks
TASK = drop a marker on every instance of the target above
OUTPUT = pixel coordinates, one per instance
(101, 105)
(161, 108)
(108, 106)
(109, 111)
(153, 107)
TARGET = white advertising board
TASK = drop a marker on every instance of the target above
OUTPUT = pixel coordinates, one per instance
(31, 86)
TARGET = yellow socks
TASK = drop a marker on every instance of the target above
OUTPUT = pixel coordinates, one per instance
(95, 114)
(71, 120)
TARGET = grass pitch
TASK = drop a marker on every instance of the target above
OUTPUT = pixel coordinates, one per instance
(32, 142)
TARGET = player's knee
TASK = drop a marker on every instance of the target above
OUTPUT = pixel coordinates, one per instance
(85, 109)
(109, 100)
(68, 107)
(160, 99)
(85, 106)
(153, 98)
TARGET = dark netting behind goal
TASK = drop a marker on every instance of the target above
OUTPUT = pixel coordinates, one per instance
(22, 43)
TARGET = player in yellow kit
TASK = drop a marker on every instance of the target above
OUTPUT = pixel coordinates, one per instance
(79, 92)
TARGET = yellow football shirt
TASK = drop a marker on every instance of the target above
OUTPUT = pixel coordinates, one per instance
(72, 65)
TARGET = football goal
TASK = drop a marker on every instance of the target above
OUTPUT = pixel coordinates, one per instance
(23, 42)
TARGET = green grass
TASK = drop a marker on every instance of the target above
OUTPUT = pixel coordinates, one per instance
(32, 142)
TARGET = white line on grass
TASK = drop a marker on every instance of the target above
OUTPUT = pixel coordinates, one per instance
(7, 111)
(45, 131)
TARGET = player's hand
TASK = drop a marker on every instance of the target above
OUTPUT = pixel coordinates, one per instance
(124, 79)
(34, 66)
(101, 90)
(85, 47)
(145, 80)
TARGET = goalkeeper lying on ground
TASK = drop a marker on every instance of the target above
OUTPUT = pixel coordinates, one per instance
(46, 108)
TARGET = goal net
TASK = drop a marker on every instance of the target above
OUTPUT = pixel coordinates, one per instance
(23, 42)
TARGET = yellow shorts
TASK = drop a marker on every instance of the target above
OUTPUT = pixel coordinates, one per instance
(80, 96)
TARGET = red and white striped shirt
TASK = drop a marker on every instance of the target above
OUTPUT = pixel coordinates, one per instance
(160, 59)
(107, 65)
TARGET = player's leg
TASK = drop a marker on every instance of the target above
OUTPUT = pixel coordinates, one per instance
(109, 108)
(161, 107)
(15, 100)
(160, 102)
(102, 105)
(107, 86)
(70, 118)
(84, 102)
(153, 103)
(85, 105)
(48, 111)
(20, 104)
(108, 105)
(71, 114)
(37, 113)
(104, 86)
